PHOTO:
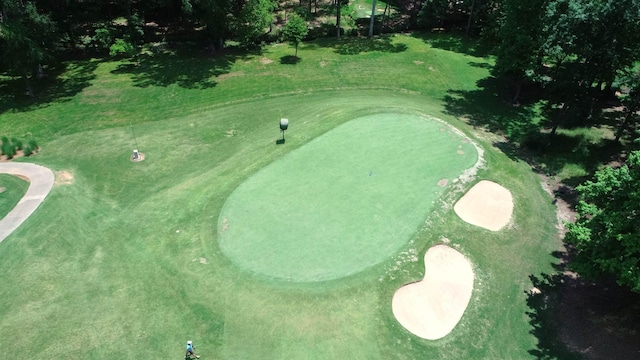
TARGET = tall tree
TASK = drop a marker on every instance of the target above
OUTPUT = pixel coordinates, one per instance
(631, 102)
(607, 232)
(586, 45)
(255, 17)
(25, 39)
(213, 15)
(339, 4)
(518, 54)
(295, 30)
(373, 18)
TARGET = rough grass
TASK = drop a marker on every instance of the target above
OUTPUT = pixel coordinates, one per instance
(125, 261)
(12, 188)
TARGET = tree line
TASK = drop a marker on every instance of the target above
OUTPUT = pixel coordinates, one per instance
(576, 53)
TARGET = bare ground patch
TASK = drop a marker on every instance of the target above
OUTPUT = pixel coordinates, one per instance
(230, 75)
(63, 177)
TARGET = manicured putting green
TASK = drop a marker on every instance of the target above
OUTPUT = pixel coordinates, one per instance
(345, 201)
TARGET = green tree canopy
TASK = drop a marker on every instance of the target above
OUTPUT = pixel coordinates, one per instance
(606, 234)
(25, 36)
(255, 17)
(521, 37)
(295, 30)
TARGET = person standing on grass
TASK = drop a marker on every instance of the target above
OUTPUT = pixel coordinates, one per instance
(190, 351)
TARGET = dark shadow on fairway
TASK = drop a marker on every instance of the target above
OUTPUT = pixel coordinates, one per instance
(290, 60)
(354, 46)
(543, 304)
(571, 317)
(524, 138)
(482, 65)
(453, 42)
(184, 66)
(279, 141)
(550, 154)
(357, 45)
(485, 108)
(53, 87)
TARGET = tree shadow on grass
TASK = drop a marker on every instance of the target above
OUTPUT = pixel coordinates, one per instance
(358, 45)
(543, 301)
(453, 42)
(60, 83)
(290, 60)
(525, 138)
(184, 66)
(354, 46)
(571, 317)
(485, 108)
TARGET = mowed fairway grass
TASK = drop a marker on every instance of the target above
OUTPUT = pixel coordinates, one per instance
(127, 261)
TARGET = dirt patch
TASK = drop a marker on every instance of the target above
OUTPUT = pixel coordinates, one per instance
(432, 307)
(565, 198)
(63, 177)
(323, 63)
(460, 152)
(443, 182)
(140, 157)
(487, 205)
(418, 62)
(228, 76)
(2, 189)
(265, 61)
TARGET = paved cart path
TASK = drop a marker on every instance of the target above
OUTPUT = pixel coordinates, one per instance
(40, 183)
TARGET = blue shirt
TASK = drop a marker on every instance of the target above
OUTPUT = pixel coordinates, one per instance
(189, 347)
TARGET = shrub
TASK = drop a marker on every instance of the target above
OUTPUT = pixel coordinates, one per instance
(122, 47)
(33, 145)
(8, 149)
(17, 144)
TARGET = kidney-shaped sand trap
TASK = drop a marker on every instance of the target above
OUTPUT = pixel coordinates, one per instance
(432, 307)
(487, 205)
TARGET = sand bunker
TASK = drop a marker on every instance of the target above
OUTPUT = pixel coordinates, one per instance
(432, 307)
(487, 205)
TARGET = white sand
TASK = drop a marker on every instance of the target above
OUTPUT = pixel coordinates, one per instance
(487, 205)
(432, 307)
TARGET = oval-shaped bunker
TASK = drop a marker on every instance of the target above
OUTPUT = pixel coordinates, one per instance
(345, 201)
